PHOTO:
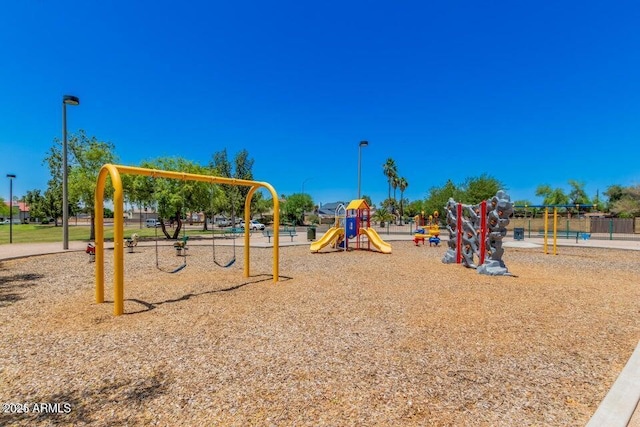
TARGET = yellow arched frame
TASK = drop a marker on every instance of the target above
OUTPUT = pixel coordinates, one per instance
(114, 171)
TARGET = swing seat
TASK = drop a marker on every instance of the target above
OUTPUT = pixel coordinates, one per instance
(229, 264)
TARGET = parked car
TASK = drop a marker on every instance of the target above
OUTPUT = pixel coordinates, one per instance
(253, 225)
(223, 222)
(153, 223)
(15, 221)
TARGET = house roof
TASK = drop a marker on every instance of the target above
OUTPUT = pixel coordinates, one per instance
(329, 208)
(22, 206)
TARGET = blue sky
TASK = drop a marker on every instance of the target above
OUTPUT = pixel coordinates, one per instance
(528, 92)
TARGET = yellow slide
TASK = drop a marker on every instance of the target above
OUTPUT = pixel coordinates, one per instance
(328, 237)
(375, 239)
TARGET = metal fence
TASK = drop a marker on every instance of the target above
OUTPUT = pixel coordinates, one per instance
(593, 228)
(613, 225)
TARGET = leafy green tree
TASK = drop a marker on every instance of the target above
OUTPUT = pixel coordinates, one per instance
(414, 208)
(368, 200)
(552, 196)
(395, 180)
(222, 167)
(201, 195)
(438, 197)
(627, 202)
(87, 156)
(598, 203)
(52, 203)
(577, 195)
(242, 168)
(614, 193)
(382, 215)
(174, 197)
(262, 205)
(477, 189)
(4, 208)
(402, 185)
(139, 191)
(520, 210)
(52, 206)
(35, 200)
(389, 205)
(295, 206)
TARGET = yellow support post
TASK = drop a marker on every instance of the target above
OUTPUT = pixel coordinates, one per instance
(546, 229)
(555, 231)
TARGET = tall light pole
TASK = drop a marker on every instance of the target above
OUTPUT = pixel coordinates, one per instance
(11, 178)
(70, 100)
(362, 144)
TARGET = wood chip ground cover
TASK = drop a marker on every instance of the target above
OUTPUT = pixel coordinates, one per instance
(356, 338)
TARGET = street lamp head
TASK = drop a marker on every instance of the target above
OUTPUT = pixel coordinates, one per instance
(11, 175)
(71, 100)
(364, 143)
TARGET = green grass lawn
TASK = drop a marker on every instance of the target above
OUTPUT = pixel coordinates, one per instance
(31, 233)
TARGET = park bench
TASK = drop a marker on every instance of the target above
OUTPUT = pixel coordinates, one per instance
(566, 234)
(291, 232)
(234, 232)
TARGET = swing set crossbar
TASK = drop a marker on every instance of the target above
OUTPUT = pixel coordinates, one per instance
(114, 171)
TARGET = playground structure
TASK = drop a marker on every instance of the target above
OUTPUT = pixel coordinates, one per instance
(353, 223)
(427, 229)
(91, 251)
(114, 172)
(181, 245)
(477, 231)
(132, 242)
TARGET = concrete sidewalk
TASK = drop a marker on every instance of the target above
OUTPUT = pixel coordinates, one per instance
(20, 250)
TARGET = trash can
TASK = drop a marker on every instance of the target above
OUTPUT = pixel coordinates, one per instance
(311, 233)
(518, 233)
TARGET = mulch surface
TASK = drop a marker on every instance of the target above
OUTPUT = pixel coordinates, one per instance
(355, 338)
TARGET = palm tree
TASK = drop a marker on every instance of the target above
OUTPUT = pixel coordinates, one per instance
(402, 185)
(395, 181)
(390, 170)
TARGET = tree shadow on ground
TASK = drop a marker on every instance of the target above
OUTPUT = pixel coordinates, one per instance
(152, 305)
(79, 407)
(10, 287)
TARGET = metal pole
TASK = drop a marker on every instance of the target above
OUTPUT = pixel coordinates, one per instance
(10, 210)
(72, 100)
(362, 144)
(459, 233)
(11, 176)
(65, 200)
(546, 230)
(555, 231)
(483, 231)
(611, 229)
(359, 167)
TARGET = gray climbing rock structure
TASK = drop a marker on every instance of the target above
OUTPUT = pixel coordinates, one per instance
(476, 231)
